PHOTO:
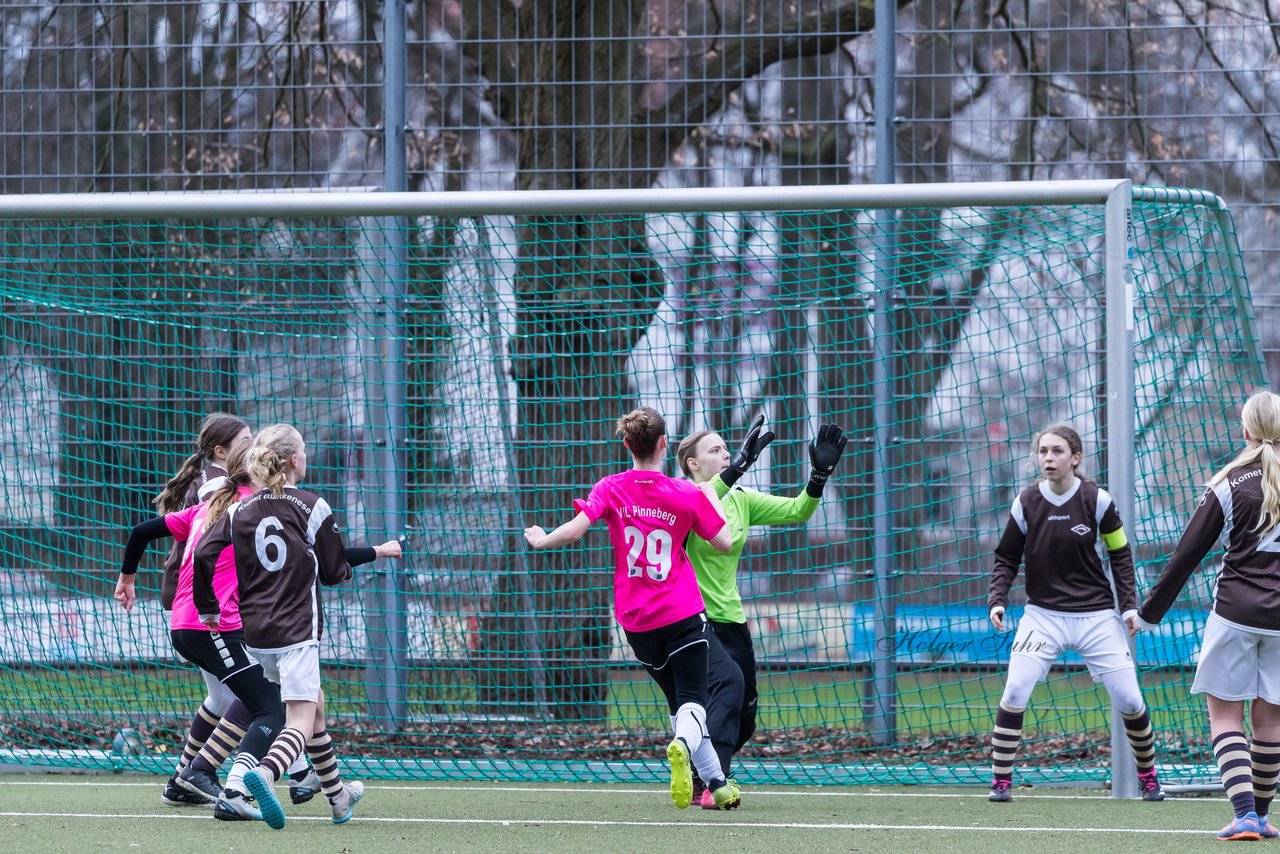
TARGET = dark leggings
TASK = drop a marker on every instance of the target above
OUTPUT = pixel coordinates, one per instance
(705, 674)
(225, 656)
(736, 640)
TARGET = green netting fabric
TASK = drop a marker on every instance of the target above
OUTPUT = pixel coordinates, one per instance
(501, 366)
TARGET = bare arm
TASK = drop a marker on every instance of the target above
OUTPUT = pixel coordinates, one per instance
(569, 532)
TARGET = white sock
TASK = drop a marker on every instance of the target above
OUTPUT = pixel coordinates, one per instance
(707, 762)
(691, 725)
(235, 777)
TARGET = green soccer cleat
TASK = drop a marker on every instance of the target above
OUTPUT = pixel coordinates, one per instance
(728, 796)
(681, 773)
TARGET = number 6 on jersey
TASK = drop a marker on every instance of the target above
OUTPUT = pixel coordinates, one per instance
(262, 538)
(657, 553)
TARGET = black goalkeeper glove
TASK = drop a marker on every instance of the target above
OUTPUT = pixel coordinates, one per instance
(824, 453)
(748, 453)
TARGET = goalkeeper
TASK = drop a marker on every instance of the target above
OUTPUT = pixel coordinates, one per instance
(704, 457)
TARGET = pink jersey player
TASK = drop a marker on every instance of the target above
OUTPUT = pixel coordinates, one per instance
(649, 516)
(187, 527)
(656, 595)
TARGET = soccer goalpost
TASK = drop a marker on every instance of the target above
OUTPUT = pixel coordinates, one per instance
(455, 362)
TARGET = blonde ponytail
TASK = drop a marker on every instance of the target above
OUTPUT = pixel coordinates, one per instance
(268, 459)
(1261, 419)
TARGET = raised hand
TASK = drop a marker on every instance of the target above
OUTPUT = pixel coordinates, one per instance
(755, 442)
(825, 451)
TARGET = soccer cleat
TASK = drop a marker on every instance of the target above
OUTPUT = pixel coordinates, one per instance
(727, 797)
(260, 787)
(176, 796)
(199, 783)
(235, 806)
(1269, 830)
(344, 803)
(1245, 827)
(1150, 786)
(1000, 793)
(681, 773)
(301, 791)
(707, 800)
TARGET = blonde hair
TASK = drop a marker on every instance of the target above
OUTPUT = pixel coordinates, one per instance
(229, 493)
(688, 449)
(641, 429)
(1260, 415)
(217, 428)
(268, 460)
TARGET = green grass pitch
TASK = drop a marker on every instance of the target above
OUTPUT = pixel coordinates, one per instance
(123, 813)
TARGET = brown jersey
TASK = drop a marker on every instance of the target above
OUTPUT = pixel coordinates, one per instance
(1247, 588)
(200, 490)
(286, 546)
(1062, 539)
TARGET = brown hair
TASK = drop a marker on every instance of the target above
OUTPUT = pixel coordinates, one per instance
(229, 493)
(688, 449)
(1260, 415)
(641, 429)
(268, 460)
(1067, 432)
(217, 428)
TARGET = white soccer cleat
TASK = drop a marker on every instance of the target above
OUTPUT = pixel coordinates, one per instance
(344, 803)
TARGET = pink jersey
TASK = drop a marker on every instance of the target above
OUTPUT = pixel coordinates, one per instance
(649, 516)
(188, 526)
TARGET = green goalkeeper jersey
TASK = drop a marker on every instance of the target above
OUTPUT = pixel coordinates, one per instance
(718, 572)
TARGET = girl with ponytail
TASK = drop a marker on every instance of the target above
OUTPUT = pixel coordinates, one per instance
(1240, 652)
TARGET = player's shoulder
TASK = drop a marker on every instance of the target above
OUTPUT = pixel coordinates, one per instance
(305, 499)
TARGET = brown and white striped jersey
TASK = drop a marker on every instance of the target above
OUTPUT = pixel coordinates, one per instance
(1062, 538)
(1247, 587)
(286, 546)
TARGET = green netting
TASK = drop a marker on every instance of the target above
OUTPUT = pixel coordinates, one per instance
(516, 345)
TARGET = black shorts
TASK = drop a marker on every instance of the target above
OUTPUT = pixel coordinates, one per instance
(654, 647)
(220, 653)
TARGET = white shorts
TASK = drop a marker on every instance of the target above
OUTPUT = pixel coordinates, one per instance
(1237, 663)
(296, 670)
(1099, 637)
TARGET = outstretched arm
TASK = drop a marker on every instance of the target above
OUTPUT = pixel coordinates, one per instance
(569, 532)
(360, 555)
(141, 535)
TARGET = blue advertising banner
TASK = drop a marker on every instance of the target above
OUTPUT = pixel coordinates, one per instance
(957, 634)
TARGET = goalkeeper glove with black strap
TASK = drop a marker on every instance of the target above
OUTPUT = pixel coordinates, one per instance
(748, 453)
(824, 452)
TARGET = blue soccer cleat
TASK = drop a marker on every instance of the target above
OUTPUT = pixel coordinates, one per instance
(1245, 827)
(260, 787)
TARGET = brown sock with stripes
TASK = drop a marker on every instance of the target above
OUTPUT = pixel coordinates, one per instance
(1232, 752)
(286, 748)
(223, 741)
(1004, 741)
(325, 762)
(1142, 739)
(202, 725)
(1265, 758)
